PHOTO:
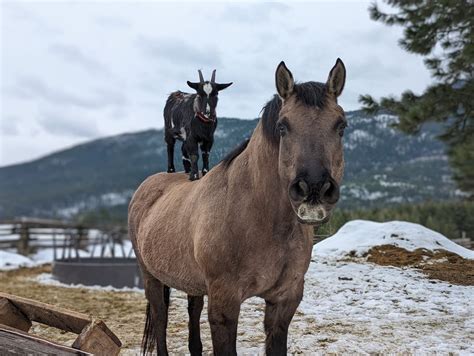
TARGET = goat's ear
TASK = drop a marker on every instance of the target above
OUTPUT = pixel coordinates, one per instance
(337, 78)
(284, 81)
(220, 87)
(195, 86)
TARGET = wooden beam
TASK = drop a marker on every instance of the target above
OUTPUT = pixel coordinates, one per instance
(48, 314)
(15, 342)
(96, 340)
(11, 316)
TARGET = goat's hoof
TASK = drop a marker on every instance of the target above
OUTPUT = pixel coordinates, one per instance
(204, 171)
(193, 176)
(171, 170)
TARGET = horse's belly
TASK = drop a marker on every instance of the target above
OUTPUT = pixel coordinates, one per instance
(171, 261)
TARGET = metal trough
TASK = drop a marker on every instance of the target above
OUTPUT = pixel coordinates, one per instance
(117, 272)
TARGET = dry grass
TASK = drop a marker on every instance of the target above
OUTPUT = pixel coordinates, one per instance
(123, 312)
(440, 264)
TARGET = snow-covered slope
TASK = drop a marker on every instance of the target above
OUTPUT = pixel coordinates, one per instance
(359, 236)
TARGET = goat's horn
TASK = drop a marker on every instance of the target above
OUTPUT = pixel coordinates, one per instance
(201, 78)
(213, 78)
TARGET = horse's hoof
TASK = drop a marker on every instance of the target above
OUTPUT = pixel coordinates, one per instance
(193, 176)
(171, 170)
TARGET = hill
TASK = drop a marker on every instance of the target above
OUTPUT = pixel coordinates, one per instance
(383, 167)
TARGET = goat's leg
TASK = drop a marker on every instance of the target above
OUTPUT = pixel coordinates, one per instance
(205, 151)
(186, 160)
(191, 147)
(195, 305)
(170, 141)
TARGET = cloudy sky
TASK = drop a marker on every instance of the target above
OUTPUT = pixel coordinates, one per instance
(75, 71)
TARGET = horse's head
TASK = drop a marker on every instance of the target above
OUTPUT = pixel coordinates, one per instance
(309, 130)
(207, 92)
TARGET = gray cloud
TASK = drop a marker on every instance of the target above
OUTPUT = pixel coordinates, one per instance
(113, 22)
(74, 55)
(178, 52)
(253, 13)
(33, 88)
(57, 124)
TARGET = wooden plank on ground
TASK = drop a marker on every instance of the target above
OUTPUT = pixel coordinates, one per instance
(12, 316)
(15, 342)
(96, 340)
(48, 314)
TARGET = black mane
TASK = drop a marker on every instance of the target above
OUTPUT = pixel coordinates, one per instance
(309, 93)
(227, 160)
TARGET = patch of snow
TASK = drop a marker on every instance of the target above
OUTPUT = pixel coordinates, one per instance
(48, 279)
(9, 261)
(360, 236)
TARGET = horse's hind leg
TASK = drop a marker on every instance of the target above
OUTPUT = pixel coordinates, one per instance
(195, 305)
(154, 335)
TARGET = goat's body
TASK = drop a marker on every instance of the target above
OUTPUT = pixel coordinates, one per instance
(181, 123)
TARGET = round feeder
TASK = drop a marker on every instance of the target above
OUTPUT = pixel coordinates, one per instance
(117, 272)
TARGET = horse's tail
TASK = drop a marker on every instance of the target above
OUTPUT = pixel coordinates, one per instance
(149, 333)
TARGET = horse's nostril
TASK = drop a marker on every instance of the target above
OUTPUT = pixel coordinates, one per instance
(330, 192)
(299, 190)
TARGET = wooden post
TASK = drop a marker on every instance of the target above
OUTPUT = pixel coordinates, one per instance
(11, 316)
(23, 243)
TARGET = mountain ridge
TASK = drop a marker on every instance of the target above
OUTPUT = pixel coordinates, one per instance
(383, 166)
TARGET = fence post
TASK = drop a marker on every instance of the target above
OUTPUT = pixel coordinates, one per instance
(23, 243)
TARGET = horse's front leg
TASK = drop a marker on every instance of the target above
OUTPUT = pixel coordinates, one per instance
(278, 315)
(205, 151)
(195, 305)
(223, 312)
(191, 147)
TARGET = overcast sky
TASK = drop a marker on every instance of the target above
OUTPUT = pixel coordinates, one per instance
(75, 71)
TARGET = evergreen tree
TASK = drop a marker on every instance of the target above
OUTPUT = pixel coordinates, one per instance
(443, 32)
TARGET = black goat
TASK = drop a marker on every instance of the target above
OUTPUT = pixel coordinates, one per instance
(191, 118)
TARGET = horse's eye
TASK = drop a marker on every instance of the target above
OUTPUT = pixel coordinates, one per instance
(281, 129)
(341, 129)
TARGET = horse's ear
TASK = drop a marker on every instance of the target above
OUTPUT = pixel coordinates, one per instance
(337, 78)
(195, 86)
(220, 87)
(284, 81)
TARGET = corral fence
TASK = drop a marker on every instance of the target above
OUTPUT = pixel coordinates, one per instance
(28, 235)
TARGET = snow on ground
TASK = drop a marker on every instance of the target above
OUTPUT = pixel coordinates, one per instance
(359, 236)
(353, 306)
(9, 261)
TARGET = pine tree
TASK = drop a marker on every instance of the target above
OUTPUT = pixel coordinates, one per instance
(443, 32)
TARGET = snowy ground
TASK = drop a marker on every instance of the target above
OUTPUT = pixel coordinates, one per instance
(351, 306)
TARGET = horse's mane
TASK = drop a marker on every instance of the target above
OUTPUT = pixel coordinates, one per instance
(309, 93)
(227, 160)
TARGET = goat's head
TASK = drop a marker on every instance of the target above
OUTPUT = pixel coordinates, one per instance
(207, 92)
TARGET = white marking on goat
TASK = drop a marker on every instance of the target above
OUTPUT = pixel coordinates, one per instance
(186, 159)
(208, 109)
(207, 88)
(183, 133)
(204, 170)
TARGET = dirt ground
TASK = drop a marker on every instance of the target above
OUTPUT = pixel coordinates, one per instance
(440, 264)
(123, 312)
(344, 310)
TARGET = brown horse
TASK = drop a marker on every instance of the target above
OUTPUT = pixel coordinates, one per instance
(250, 234)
